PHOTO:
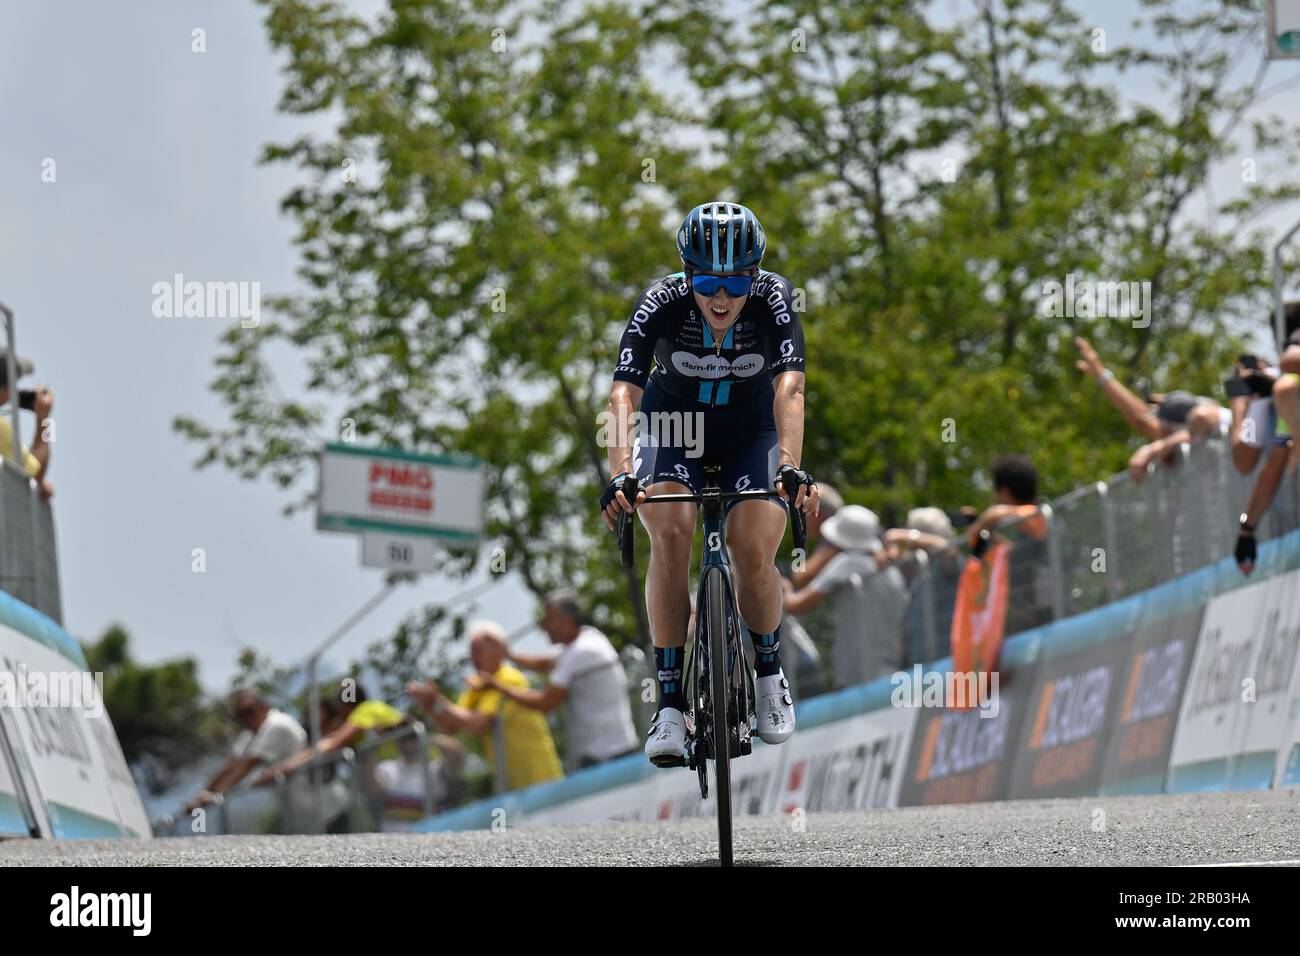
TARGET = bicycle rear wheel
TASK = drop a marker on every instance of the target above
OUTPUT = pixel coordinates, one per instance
(719, 693)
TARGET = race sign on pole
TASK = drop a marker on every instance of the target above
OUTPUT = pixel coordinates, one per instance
(399, 493)
(399, 553)
(1283, 26)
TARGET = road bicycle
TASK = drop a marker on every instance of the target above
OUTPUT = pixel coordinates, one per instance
(720, 718)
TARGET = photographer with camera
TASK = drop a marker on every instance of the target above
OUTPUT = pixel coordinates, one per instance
(1265, 413)
(40, 400)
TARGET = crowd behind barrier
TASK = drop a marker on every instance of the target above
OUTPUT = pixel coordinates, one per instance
(1104, 542)
(1112, 539)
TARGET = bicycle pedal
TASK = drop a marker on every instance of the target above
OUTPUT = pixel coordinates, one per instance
(669, 760)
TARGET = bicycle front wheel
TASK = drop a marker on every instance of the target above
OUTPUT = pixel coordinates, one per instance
(719, 692)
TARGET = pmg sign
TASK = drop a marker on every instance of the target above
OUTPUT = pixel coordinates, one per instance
(384, 489)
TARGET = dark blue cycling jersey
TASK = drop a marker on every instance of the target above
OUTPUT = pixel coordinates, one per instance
(765, 340)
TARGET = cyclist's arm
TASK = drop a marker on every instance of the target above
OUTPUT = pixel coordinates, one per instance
(787, 409)
(624, 400)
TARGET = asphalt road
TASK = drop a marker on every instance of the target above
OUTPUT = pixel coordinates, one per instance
(1241, 828)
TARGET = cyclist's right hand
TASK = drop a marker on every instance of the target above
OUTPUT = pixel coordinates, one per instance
(613, 500)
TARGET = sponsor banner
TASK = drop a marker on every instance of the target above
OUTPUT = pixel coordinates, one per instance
(72, 751)
(1276, 674)
(381, 489)
(1065, 730)
(1150, 687)
(675, 794)
(12, 820)
(1234, 713)
(965, 756)
(853, 764)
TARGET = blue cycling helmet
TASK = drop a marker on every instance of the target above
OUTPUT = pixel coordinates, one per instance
(721, 237)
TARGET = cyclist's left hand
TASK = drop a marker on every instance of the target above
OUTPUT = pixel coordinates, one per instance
(808, 497)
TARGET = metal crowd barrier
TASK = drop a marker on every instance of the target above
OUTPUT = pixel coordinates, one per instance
(300, 802)
(1111, 539)
(29, 564)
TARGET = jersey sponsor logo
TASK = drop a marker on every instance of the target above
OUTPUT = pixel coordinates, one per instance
(625, 358)
(742, 482)
(787, 348)
(682, 473)
(655, 297)
(777, 302)
(715, 366)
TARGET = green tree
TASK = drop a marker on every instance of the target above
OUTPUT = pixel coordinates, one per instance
(504, 178)
(162, 717)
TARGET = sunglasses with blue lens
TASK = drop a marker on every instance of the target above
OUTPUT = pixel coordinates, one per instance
(707, 285)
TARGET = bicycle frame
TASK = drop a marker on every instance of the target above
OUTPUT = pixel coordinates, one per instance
(721, 705)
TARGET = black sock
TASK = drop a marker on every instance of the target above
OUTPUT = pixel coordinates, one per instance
(767, 652)
(668, 662)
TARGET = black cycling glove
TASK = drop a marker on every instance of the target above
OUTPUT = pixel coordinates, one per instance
(791, 478)
(614, 487)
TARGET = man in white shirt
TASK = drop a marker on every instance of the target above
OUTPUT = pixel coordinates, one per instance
(587, 676)
(870, 598)
(268, 736)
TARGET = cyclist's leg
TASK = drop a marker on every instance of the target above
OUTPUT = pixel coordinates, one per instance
(754, 532)
(671, 527)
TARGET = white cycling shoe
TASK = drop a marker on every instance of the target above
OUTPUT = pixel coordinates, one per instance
(775, 708)
(666, 746)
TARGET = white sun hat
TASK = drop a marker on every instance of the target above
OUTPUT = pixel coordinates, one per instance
(853, 528)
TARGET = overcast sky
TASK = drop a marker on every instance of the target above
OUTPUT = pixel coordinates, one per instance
(156, 152)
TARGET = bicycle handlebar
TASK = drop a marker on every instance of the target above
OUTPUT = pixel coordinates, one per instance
(798, 524)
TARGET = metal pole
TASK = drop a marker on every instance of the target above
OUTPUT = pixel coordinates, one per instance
(1279, 310)
(12, 361)
(1108, 542)
(1055, 563)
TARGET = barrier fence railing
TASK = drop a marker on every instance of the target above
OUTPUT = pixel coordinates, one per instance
(1109, 540)
(336, 792)
(29, 564)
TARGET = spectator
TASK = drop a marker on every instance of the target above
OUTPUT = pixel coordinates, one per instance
(1167, 420)
(36, 460)
(268, 737)
(359, 714)
(528, 755)
(928, 531)
(402, 782)
(586, 676)
(1282, 386)
(870, 598)
(1015, 486)
(355, 716)
(821, 551)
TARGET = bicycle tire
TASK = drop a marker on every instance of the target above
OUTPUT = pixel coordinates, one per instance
(719, 679)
